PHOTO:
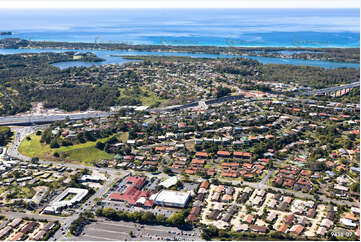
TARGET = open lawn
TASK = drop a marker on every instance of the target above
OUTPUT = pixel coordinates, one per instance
(84, 153)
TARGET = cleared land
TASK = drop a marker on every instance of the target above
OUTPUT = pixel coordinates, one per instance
(84, 153)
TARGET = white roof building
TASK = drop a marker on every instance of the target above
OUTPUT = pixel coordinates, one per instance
(347, 222)
(93, 178)
(60, 202)
(172, 198)
(169, 182)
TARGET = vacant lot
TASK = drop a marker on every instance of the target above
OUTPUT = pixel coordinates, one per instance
(83, 153)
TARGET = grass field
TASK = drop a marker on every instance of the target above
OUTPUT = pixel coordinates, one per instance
(83, 153)
(147, 100)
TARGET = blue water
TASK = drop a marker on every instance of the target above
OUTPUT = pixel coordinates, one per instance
(106, 54)
(217, 27)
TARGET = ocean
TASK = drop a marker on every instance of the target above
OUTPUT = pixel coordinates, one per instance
(216, 27)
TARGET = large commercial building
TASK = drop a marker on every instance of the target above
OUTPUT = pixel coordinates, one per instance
(61, 201)
(172, 198)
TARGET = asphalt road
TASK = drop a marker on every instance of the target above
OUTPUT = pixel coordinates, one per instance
(23, 119)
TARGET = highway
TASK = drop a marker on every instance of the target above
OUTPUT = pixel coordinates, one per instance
(48, 118)
(331, 89)
(41, 118)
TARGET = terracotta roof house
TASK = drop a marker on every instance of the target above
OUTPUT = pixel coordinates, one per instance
(220, 188)
(248, 219)
(197, 163)
(160, 149)
(283, 228)
(18, 236)
(350, 216)
(204, 184)
(289, 219)
(194, 214)
(288, 183)
(297, 229)
(230, 174)
(203, 155)
(223, 153)
(226, 198)
(243, 155)
(277, 181)
(287, 199)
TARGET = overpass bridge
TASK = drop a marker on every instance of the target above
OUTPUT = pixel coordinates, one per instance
(337, 91)
(199, 103)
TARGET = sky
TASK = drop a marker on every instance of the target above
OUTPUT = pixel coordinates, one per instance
(180, 4)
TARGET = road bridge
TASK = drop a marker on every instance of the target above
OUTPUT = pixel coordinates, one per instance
(337, 91)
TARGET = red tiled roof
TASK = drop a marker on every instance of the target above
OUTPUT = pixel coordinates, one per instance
(190, 171)
(160, 148)
(283, 228)
(300, 159)
(230, 164)
(137, 181)
(288, 183)
(230, 174)
(131, 195)
(289, 219)
(242, 154)
(305, 173)
(196, 161)
(202, 154)
(247, 166)
(224, 153)
(204, 184)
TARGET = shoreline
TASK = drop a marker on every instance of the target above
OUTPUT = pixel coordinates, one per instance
(337, 54)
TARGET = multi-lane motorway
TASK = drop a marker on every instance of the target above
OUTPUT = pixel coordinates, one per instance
(42, 118)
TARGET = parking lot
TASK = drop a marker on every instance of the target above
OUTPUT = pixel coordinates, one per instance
(122, 206)
(121, 186)
(110, 230)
